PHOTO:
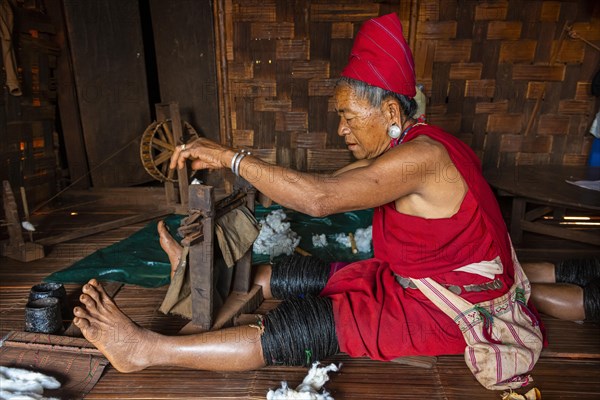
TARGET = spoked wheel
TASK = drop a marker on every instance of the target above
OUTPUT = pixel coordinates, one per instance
(157, 147)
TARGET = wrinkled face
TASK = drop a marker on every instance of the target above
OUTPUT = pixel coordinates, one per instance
(363, 127)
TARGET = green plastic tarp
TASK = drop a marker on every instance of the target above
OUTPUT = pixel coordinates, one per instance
(139, 259)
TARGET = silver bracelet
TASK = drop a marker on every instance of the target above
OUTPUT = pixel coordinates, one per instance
(236, 166)
(233, 160)
(236, 170)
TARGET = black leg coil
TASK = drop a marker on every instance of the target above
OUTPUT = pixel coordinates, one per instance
(591, 300)
(578, 271)
(299, 332)
(297, 276)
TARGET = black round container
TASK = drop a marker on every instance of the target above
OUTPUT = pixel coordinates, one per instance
(43, 316)
(47, 289)
(51, 289)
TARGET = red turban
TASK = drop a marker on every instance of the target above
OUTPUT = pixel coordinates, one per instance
(381, 57)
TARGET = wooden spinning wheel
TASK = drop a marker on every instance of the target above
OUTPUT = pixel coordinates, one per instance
(158, 144)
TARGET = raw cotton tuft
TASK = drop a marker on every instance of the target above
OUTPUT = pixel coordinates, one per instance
(309, 389)
(275, 236)
(22, 384)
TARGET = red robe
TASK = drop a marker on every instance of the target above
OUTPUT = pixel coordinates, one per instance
(374, 315)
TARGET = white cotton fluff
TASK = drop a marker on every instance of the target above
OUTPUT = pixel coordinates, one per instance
(343, 239)
(309, 388)
(21, 384)
(275, 236)
(363, 238)
(319, 240)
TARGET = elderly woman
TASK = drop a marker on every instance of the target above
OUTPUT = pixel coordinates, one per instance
(434, 216)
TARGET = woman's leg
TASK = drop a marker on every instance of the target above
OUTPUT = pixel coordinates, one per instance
(297, 332)
(131, 348)
(578, 271)
(539, 272)
(568, 290)
(559, 300)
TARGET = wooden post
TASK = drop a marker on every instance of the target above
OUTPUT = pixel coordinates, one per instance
(201, 257)
(166, 112)
(16, 248)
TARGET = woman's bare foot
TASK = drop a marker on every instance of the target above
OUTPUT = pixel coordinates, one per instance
(126, 345)
(170, 246)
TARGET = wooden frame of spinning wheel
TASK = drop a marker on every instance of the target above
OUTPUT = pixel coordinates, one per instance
(178, 199)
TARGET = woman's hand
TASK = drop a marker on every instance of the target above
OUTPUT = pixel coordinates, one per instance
(204, 154)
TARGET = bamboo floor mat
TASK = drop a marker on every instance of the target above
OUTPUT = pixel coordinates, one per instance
(358, 379)
(74, 362)
(557, 378)
(568, 369)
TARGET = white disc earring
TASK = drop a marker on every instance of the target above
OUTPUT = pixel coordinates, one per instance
(394, 131)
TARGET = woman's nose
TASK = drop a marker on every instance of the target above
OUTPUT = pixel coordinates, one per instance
(343, 128)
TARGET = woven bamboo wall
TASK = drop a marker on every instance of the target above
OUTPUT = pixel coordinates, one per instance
(483, 65)
(486, 63)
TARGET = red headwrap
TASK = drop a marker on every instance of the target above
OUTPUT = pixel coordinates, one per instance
(381, 57)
